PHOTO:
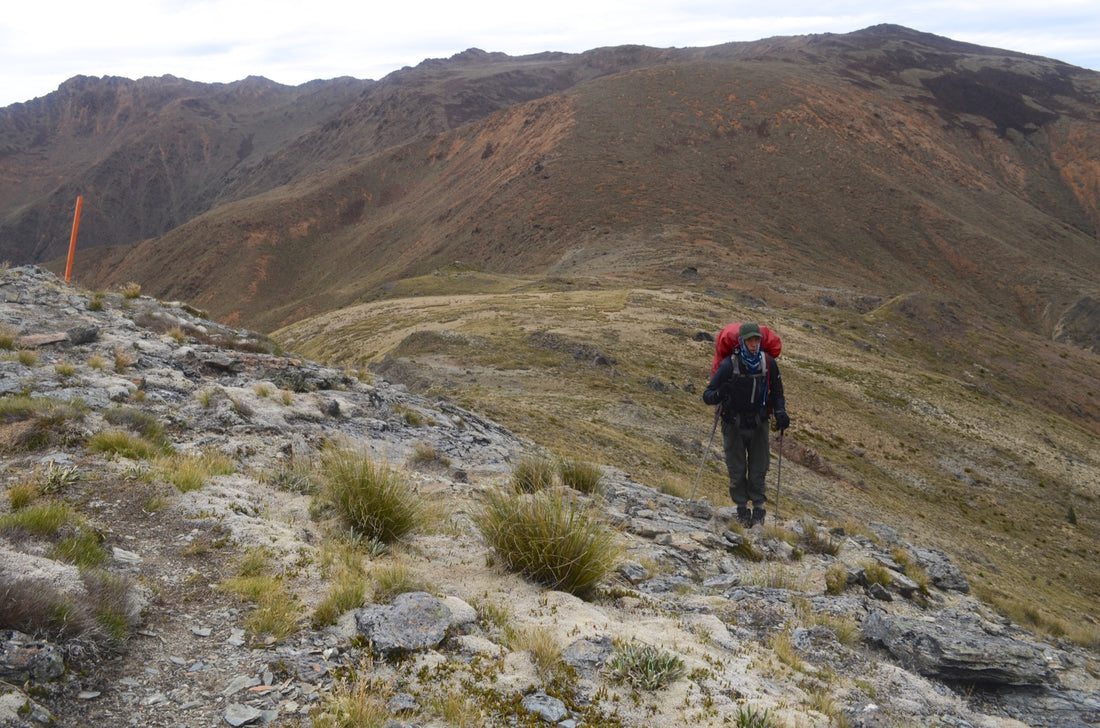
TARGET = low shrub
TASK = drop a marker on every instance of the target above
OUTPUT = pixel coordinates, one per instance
(549, 538)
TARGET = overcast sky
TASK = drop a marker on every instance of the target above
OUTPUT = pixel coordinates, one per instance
(45, 42)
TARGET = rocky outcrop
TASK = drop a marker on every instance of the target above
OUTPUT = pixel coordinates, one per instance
(957, 647)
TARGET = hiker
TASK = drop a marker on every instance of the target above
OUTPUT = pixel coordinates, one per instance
(747, 387)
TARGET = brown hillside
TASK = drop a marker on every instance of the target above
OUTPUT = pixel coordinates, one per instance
(877, 163)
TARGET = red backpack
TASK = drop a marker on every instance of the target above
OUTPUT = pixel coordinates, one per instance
(727, 342)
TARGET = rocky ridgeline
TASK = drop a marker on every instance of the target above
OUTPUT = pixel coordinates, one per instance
(749, 615)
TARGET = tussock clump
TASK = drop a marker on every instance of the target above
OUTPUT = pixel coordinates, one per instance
(103, 616)
(124, 444)
(533, 473)
(33, 423)
(581, 475)
(138, 421)
(374, 500)
(549, 538)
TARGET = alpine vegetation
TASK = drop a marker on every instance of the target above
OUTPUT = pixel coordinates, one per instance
(550, 538)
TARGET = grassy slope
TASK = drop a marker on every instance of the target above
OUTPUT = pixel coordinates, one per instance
(920, 431)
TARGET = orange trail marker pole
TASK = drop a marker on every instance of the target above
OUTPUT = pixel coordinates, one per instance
(72, 240)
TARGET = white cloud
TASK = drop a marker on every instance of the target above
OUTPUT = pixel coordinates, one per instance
(44, 43)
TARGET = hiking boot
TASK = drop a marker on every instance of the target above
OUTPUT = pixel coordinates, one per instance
(744, 516)
(758, 516)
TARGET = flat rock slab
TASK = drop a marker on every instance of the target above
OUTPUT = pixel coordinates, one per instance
(414, 621)
(959, 650)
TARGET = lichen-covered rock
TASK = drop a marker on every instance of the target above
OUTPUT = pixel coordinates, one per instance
(955, 648)
(414, 621)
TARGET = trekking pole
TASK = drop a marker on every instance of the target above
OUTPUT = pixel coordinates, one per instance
(717, 411)
(779, 474)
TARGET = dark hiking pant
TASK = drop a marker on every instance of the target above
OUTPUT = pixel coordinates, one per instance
(747, 460)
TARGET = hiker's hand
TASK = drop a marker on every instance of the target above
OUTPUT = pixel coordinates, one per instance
(782, 421)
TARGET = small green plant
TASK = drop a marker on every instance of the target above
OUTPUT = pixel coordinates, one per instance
(533, 473)
(263, 390)
(64, 369)
(96, 303)
(580, 475)
(549, 538)
(643, 667)
(374, 499)
(177, 334)
(131, 290)
(749, 717)
(27, 357)
(97, 362)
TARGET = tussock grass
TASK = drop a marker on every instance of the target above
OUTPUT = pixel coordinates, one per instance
(543, 646)
(643, 667)
(533, 473)
(104, 617)
(40, 519)
(277, 609)
(138, 421)
(343, 565)
(458, 709)
(189, 471)
(8, 336)
(32, 423)
(816, 542)
(124, 444)
(84, 548)
(131, 290)
(836, 579)
(356, 702)
(23, 494)
(124, 359)
(395, 578)
(424, 453)
(876, 573)
(549, 538)
(374, 500)
(580, 475)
